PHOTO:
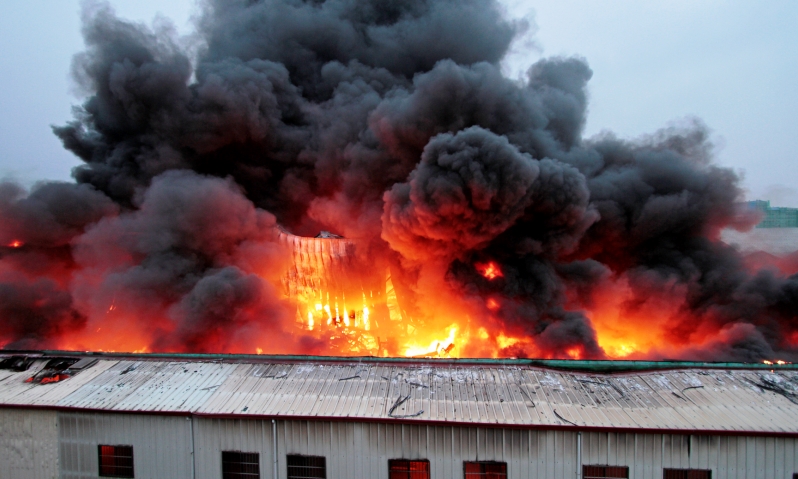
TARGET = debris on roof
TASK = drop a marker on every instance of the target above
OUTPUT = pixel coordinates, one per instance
(511, 393)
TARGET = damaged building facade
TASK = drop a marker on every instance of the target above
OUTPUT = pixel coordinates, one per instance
(193, 416)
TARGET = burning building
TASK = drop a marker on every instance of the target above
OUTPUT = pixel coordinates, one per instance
(250, 417)
(463, 215)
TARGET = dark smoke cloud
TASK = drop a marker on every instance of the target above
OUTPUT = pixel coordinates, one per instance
(192, 253)
(391, 123)
(467, 189)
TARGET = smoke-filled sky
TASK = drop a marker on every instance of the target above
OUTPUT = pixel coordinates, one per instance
(733, 64)
(446, 142)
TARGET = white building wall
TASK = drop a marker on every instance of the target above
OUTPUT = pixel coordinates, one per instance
(732, 457)
(211, 436)
(362, 450)
(28, 444)
(161, 444)
(29, 448)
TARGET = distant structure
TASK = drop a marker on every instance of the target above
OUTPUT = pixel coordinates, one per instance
(194, 416)
(776, 234)
(775, 217)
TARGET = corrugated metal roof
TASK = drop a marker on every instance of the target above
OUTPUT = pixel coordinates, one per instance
(759, 401)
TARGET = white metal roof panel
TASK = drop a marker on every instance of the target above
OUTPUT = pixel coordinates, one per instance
(706, 400)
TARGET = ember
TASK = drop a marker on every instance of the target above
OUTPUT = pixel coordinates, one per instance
(489, 270)
(461, 212)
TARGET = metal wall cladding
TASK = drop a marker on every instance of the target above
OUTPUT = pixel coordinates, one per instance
(161, 444)
(163, 447)
(212, 436)
(728, 457)
(362, 450)
(28, 444)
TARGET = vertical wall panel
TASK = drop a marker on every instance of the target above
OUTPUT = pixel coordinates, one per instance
(28, 444)
(212, 436)
(161, 444)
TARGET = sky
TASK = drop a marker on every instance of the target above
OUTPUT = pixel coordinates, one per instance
(732, 64)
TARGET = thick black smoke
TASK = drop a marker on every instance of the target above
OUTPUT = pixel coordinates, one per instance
(385, 121)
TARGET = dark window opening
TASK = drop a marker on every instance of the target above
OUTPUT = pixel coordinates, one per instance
(16, 363)
(306, 467)
(115, 461)
(686, 474)
(485, 470)
(591, 472)
(240, 465)
(405, 469)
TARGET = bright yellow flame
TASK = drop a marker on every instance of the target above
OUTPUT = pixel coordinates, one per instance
(436, 346)
(621, 350)
(483, 333)
(504, 341)
(310, 321)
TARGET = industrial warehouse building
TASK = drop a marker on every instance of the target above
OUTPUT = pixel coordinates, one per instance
(245, 417)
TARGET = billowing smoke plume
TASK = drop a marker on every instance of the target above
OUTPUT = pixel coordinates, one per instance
(390, 123)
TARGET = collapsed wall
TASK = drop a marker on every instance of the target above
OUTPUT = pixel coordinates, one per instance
(334, 287)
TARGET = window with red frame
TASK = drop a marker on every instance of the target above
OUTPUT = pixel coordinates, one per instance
(595, 472)
(115, 461)
(405, 469)
(485, 470)
(686, 474)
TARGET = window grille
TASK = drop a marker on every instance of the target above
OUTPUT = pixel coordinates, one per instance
(593, 472)
(115, 461)
(405, 469)
(686, 474)
(485, 470)
(240, 465)
(306, 467)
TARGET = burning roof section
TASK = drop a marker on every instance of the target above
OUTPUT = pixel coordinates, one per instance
(680, 397)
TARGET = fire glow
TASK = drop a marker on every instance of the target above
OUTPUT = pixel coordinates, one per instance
(489, 270)
(368, 195)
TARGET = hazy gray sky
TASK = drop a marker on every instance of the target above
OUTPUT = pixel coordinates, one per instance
(734, 64)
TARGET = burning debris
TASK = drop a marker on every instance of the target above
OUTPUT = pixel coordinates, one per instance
(462, 213)
(60, 369)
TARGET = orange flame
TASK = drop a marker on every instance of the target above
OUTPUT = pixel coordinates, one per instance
(16, 244)
(490, 270)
